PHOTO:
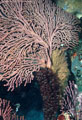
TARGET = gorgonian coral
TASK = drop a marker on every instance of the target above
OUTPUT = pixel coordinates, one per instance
(6, 111)
(29, 32)
(70, 102)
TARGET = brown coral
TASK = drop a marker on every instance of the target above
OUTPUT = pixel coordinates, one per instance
(50, 92)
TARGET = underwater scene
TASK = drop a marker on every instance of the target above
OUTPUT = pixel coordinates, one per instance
(40, 59)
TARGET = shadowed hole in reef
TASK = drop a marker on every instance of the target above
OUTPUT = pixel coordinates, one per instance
(28, 97)
(1, 118)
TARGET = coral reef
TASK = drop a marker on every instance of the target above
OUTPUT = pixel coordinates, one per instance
(76, 66)
(77, 70)
(29, 32)
(33, 34)
(72, 6)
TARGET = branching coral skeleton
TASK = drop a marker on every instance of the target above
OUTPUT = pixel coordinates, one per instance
(29, 32)
(6, 111)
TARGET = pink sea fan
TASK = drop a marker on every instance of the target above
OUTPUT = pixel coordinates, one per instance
(29, 32)
(6, 111)
(69, 102)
